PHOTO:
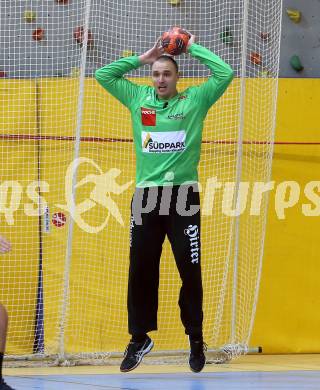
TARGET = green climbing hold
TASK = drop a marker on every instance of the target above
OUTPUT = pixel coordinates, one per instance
(226, 36)
(296, 63)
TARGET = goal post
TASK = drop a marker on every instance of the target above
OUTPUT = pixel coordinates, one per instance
(68, 167)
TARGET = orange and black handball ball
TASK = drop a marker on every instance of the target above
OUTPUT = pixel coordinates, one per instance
(175, 40)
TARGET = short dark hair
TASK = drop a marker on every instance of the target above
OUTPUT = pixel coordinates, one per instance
(164, 57)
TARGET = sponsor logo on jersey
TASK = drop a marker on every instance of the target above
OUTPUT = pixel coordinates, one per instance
(148, 116)
(147, 140)
(182, 97)
(163, 142)
(192, 232)
(179, 116)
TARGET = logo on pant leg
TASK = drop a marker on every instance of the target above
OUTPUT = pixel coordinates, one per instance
(192, 232)
(131, 229)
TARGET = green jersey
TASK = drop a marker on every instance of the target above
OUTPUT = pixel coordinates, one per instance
(167, 134)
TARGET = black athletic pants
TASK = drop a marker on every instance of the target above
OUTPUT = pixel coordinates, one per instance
(171, 215)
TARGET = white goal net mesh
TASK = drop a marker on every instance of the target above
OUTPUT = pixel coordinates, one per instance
(67, 155)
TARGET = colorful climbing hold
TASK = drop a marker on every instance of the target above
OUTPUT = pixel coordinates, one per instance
(38, 34)
(74, 72)
(226, 36)
(29, 16)
(295, 63)
(255, 58)
(294, 14)
(78, 35)
(265, 36)
(127, 53)
(265, 73)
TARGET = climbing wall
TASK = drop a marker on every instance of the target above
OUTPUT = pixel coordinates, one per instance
(47, 36)
(300, 40)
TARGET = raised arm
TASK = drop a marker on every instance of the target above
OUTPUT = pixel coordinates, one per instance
(5, 245)
(221, 73)
(111, 76)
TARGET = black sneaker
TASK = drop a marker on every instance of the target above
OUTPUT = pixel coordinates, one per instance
(4, 386)
(197, 357)
(134, 353)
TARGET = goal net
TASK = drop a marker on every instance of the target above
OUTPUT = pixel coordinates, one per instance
(68, 166)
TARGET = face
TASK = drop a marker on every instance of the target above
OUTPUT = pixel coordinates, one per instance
(164, 77)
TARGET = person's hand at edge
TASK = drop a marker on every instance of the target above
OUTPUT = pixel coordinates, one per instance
(150, 56)
(191, 41)
(5, 245)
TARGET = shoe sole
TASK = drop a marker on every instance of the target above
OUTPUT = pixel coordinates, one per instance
(197, 371)
(145, 352)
